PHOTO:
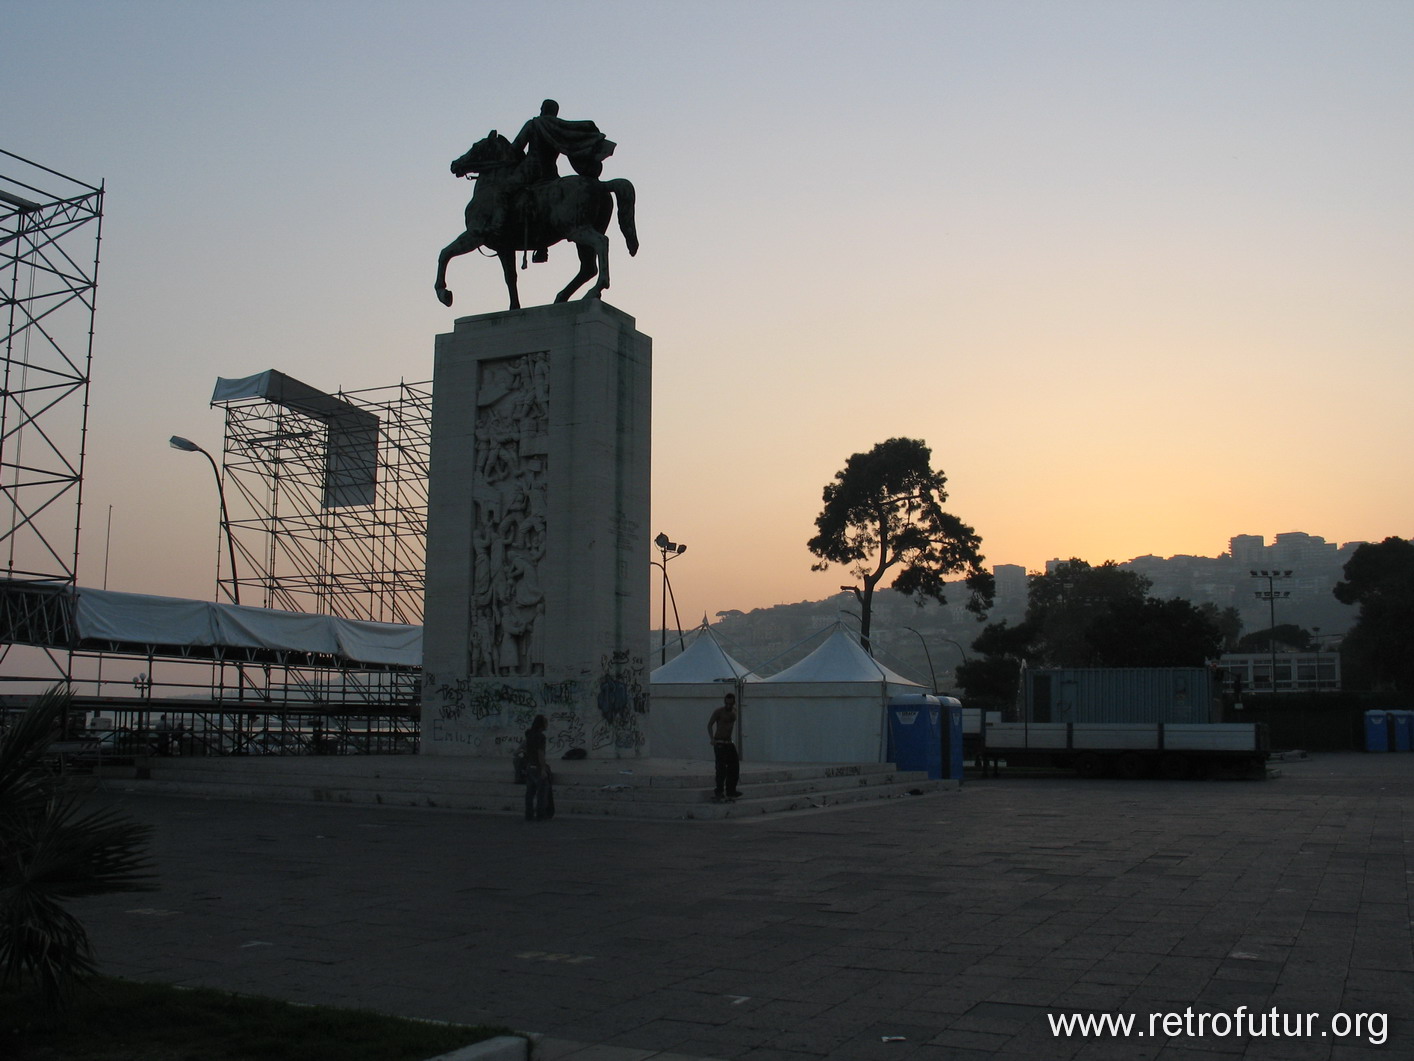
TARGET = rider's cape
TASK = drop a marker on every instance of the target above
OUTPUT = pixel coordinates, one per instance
(573, 139)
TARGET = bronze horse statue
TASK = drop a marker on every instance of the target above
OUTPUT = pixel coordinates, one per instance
(507, 213)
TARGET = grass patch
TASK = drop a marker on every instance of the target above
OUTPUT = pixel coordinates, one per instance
(122, 1020)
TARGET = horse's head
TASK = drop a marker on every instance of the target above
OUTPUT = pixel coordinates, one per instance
(495, 150)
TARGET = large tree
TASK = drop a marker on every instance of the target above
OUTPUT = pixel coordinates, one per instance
(1154, 633)
(1380, 579)
(1083, 616)
(1066, 602)
(884, 513)
(1289, 636)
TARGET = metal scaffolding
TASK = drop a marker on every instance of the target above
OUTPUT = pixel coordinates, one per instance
(329, 497)
(50, 232)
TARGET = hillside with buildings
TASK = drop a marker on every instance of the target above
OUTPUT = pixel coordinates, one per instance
(926, 643)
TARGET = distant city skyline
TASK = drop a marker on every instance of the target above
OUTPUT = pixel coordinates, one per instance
(920, 640)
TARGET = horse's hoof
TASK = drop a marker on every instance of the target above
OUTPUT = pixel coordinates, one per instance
(444, 296)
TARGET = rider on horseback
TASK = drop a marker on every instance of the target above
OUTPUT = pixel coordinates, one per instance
(521, 203)
(548, 136)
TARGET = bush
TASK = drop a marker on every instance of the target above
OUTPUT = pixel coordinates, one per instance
(52, 850)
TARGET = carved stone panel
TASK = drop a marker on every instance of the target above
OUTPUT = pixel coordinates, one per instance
(508, 517)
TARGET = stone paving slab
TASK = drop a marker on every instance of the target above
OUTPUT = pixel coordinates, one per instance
(929, 930)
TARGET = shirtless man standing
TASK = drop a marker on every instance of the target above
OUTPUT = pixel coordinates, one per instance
(720, 728)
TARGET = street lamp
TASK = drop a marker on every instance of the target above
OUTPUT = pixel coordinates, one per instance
(1271, 596)
(186, 445)
(932, 675)
(669, 551)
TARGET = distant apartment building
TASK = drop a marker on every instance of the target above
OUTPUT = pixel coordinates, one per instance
(1011, 580)
(1227, 581)
(1295, 672)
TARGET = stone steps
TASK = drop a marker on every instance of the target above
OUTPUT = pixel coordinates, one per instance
(652, 789)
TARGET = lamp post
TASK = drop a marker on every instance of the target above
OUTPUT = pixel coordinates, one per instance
(932, 675)
(1271, 595)
(956, 646)
(186, 445)
(668, 550)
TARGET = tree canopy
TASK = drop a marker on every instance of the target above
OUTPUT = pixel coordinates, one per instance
(1083, 616)
(1380, 579)
(883, 512)
(1288, 637)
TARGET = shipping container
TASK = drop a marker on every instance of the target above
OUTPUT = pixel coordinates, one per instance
(1121, 694)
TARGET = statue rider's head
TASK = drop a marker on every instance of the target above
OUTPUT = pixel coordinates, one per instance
(549, 109)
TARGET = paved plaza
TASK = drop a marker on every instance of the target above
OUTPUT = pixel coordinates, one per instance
(947, 927)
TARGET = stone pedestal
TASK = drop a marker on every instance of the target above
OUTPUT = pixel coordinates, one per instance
(537, 538)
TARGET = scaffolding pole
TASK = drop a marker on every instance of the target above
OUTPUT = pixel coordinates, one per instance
(50, 235)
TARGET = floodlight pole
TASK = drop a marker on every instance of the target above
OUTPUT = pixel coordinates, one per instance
(186, 445)
(668, 550)
(1270, 595)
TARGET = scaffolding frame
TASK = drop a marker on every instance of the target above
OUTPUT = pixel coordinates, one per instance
(304, 542)
(50, 234)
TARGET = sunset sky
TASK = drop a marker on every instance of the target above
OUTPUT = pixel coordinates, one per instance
(1139, 272)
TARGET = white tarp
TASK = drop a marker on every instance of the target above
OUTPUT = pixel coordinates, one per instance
(245, 627)
(103, 615)
(141, 619)
(351, 448)
(370, 642)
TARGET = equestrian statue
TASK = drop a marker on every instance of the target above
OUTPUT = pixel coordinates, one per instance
(521, 202)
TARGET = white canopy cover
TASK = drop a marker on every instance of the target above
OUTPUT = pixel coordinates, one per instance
(702, 661)
(137, 618)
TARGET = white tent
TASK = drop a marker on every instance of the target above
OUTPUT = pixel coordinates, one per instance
(830, 707)
(841, 659)
(702, 661)
(685, 692)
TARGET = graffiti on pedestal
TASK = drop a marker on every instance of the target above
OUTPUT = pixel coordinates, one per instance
(493, 715)
(622, 698)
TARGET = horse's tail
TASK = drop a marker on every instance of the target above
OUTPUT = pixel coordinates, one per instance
(624, 194)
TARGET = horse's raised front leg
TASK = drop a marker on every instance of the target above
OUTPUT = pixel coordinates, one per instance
(508, 269)
(463, 244)
(587, 268)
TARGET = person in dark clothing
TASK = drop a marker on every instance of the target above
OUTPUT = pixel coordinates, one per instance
(721, 729)
(537, 772)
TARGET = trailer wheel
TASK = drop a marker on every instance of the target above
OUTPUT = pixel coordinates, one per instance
(1174, 767)
(1130, 766)
(1088, 764)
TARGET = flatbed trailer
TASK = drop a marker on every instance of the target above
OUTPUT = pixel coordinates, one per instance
(1129, 749)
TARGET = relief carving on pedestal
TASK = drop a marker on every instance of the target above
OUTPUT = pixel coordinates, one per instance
(508, 516)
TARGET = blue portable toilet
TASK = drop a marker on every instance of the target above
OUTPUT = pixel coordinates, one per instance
(1376, 731)
(914, 736)
(1401, 730)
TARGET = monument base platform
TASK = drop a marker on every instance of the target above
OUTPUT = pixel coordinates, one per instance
(537, 534)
